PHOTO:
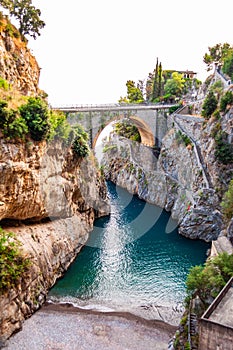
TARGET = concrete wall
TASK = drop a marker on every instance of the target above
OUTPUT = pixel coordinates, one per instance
(215, 328)
(213, 336)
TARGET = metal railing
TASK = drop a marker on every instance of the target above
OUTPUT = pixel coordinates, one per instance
(197, 152)
(111, 106)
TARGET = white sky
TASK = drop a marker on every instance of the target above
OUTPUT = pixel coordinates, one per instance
(90, 48)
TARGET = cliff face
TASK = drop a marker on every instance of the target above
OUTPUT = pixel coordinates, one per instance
(48, 197)
(59, 196)
(40, 180)
(174, 181)
(17, 65)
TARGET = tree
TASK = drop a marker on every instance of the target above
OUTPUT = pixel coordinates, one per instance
(209, 105)
(26, 14)
(7, 4)
(216, 55)
(134, 94)
(155, 82)
(227, 99)
(207, 281)
(149, 86)
(160, 74)
(175, 85)
(228, 65)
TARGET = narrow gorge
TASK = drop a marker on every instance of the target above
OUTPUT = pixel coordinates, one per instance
(52, 188)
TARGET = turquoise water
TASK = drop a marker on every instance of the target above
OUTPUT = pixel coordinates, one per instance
(134, 259)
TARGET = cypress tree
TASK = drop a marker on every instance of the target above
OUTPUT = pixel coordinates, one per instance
(155, 83)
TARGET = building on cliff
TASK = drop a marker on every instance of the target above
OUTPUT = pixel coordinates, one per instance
(216, 324)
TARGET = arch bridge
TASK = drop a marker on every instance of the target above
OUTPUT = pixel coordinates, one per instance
(150, 119)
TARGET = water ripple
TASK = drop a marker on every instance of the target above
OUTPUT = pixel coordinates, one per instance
(126, 267)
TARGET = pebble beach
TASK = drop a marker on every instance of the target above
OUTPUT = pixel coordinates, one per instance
(65, 327)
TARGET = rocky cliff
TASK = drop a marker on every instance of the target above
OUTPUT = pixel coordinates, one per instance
(174, 181)
(17, 65)
(49, 198)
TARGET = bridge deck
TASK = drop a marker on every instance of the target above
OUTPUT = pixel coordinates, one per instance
(111, 107)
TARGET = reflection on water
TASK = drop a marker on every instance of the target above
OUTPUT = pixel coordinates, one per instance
(129, 261)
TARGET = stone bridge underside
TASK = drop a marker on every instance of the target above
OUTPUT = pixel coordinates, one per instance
(147, 137)
(151, 121)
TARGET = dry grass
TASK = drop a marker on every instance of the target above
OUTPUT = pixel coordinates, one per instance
(13, 98)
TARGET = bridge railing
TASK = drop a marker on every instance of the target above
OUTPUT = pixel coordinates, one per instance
(111, 106)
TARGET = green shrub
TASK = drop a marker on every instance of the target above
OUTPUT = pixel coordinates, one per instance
(12, 263)
(17, 128)
(36, 115)
(182, 138)
(9, 29)
(209, 105)
(227, 202)
(228, 65)
(80, 147)
(11, 124)
(223, 149)
(109, 148)
(227, 99)
(4, 84)
(174, 108)
(80, 142)
(207, 281)
(3, 113)
(129, 131)
(59, 127)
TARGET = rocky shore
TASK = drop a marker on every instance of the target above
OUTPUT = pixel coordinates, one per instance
(65, 327)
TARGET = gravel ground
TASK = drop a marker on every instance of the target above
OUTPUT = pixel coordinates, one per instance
(64, 327)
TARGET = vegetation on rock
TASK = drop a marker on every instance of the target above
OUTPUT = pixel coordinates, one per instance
(218, 55)
(33, 119)
(223, 149)
(80, 145)
(160, 86)
(226, 100)
(207, 281)
(36, 115)
(13, 264)
(182, 138)
(129, 131)
(26, 15)
(227, 202)
(209, 105)
(202, 285)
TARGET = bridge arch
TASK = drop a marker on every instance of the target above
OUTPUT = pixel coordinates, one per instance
(147, 137)
(151, 119)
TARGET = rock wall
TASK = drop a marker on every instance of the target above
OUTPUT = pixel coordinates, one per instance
(40, 180)
(17, 65)
(49, 198)
(174, 181)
